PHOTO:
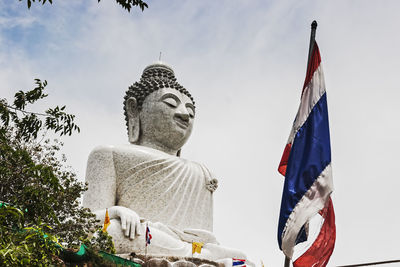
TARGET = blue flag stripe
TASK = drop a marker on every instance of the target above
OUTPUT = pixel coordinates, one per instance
(309, 156)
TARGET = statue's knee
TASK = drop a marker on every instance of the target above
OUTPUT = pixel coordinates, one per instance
(122, 243)
(114, 229)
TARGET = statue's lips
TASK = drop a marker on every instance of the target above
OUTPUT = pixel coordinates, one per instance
(181, 123)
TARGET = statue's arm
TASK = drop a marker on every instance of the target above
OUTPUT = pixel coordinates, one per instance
(101, 179)
(102, 187)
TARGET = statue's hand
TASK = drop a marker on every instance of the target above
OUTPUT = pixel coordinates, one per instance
(130, 221)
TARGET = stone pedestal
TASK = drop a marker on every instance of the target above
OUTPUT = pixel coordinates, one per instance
(168, 261)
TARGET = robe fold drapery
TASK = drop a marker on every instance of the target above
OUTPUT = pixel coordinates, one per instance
(164, 188)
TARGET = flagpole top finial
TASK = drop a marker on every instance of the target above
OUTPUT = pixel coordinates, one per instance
(314, 24)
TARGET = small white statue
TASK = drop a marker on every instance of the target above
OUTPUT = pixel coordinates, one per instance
(147, 183)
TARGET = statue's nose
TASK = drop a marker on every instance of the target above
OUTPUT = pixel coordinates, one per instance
(182, 116)
(182, 113)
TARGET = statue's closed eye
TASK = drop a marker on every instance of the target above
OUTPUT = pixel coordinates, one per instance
(170, 102)
(190, 111)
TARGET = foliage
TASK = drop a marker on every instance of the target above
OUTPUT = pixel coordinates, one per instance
(126, 4)
(32, 173)
(101, 241)
(28, 246)
(29, 126)
(43, 2)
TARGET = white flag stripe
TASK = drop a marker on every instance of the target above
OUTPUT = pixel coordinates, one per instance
(310, 204)
(311, 95)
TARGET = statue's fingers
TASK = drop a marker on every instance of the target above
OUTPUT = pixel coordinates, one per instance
(137, 226)
(128, 227)
(133, 229)
(123, 222)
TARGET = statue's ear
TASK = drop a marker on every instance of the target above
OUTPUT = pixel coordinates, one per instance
(133, 120)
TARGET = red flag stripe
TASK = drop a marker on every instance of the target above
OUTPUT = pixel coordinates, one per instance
(321, 250)
(284, 159)
(312, 66)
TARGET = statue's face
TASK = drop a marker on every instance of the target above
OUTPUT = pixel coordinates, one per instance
(166, 119)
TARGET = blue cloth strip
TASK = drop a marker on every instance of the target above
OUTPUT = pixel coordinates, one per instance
(309, 156)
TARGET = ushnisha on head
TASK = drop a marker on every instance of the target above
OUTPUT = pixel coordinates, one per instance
(159, 112)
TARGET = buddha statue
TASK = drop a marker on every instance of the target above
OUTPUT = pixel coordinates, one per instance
(147, 184)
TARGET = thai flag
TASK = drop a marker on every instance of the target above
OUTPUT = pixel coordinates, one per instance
(148, 235)
(306, 165)
(238, 262)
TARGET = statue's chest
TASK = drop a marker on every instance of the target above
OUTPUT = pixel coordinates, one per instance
(142, 174)
(169, 190)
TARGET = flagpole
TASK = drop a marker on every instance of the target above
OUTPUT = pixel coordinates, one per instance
(314, 25)
(287, 261)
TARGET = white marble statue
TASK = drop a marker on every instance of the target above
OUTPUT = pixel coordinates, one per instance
(147, 183)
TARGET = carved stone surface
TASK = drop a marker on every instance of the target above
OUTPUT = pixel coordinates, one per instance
(146, 185)
(157, 262)
(183, 263)
(173, 261)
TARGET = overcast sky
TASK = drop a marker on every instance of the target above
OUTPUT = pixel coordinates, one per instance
(244, 62)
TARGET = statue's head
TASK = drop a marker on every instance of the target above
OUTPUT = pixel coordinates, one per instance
(159, 112)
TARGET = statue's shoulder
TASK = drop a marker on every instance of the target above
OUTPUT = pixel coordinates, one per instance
(115, 150)
(125, 148)
(129, 152)
(134, 150)
(102, 150)
(117, 155)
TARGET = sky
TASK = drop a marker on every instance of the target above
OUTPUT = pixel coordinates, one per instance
(244, 62)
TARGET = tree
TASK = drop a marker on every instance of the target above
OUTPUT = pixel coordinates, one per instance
(33, 177)
(25, 246)
(127, 4)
